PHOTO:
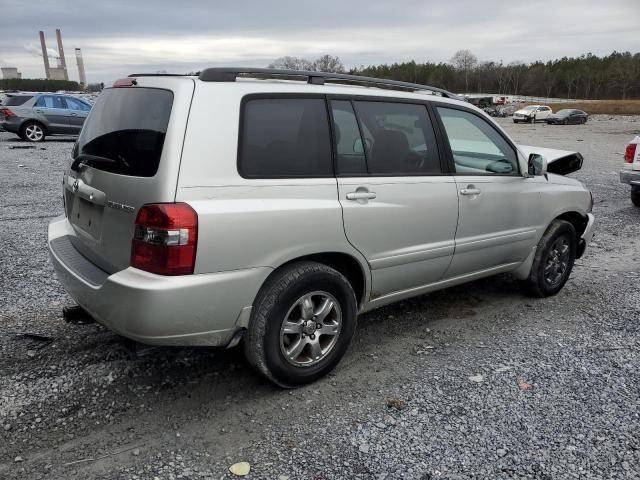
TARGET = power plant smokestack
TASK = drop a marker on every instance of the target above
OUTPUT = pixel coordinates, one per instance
(45, 55)
(83, 78)
(63, 63)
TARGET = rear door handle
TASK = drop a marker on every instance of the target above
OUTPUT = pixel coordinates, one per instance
(470, 191)
(361, 195)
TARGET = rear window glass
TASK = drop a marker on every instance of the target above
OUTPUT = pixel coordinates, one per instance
(17, 100)
(125, 131)
(285, 137)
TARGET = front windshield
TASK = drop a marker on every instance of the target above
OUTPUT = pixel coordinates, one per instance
(529, 108)
(564, 112)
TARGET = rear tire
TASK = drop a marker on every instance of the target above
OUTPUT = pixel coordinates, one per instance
(32, 132)
(635, 196)
(301, 325)
(553, 261)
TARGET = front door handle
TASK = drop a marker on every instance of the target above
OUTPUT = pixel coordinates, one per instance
(470, 191)
(361, 195)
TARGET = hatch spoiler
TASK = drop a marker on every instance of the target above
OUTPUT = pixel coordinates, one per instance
(560, 162)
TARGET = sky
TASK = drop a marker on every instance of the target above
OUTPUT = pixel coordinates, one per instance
(121, 37)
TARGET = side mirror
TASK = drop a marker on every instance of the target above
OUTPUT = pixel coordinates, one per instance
(537, 165)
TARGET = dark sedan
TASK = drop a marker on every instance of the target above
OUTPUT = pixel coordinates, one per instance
(567, 116)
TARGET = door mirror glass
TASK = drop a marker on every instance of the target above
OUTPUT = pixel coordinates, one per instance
(537, 164)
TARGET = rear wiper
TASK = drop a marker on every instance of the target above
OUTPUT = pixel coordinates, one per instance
(82, 158)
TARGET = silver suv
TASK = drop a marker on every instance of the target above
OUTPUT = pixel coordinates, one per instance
(275, 206)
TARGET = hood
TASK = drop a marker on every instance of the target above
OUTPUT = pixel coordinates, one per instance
(522, 111)
(561, 162)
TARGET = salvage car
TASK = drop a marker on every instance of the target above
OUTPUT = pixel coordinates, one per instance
(532, 114)
(34, 116)
(300, 201)
(631, 173)
(567, 116)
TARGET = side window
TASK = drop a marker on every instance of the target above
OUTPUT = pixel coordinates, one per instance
(399, 139)
(74, 104)
(40, 102)
(476, 146)
(349, 146)
(285, 137)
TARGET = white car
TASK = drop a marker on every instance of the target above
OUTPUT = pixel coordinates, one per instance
(631, 172)
(532, 114)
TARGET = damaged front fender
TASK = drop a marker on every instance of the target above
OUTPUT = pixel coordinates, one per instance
(560, 162)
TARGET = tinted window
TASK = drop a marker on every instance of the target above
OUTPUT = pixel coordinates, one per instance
(285, 137)
(47, 101)
(125, 131)
(75, 104)
(399, 138)
(477, 147)
(349, 146)
(17, 100)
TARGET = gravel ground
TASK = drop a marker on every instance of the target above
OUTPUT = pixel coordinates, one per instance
(477, 381)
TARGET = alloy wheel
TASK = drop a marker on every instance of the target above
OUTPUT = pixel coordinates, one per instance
(310, 329)
(34, 132)
(557, 263)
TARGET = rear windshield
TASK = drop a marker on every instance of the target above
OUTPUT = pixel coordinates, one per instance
(17, 100)
(125, 131)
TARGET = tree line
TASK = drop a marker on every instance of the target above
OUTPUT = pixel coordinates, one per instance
(38, 85)
(614, 76)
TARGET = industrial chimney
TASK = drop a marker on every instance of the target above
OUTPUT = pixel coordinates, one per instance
(45, 55)
(83, 78)
(63, 62)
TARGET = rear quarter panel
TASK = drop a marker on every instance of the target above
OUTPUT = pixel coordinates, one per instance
(247, 223)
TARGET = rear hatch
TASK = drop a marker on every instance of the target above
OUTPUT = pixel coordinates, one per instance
(127, 155)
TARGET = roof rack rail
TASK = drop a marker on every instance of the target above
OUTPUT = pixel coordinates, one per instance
(229, 74)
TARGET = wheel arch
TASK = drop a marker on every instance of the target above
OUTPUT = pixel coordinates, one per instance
(33, 120)
(348, 265)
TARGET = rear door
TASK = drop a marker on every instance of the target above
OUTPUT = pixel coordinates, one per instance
(400, 208)
(499, 207)
(78, 112)
(55, 112)
(127, 155)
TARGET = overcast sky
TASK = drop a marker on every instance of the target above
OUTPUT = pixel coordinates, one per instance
(121, 37)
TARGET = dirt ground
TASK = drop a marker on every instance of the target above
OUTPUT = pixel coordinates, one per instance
(477, 381)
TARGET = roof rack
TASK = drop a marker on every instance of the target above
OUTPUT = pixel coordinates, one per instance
(229, 74)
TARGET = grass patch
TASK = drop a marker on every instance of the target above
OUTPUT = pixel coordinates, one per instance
(606, 107)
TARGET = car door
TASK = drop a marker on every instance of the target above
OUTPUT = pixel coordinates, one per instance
(78, 112)
(499, 217)
(55, 113)
(543, 113)
(400, 208)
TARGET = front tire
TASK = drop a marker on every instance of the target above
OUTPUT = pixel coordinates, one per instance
(635, 196)
(301, 325)
(553, 261)
(32, 132)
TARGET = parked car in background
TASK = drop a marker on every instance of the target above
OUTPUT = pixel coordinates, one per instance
(333, 200)
(567, 116)
(33, 116)
(532, 114)
(630, 174)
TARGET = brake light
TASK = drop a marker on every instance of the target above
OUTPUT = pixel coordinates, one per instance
(125, 82)
(165, 239)
(630, 152)
(6, 112)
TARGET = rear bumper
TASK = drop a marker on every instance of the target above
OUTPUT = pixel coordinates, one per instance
(632, 177)
(11, 125)
(201, 309)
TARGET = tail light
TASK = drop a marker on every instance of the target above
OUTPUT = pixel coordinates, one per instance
(165, 239)
(6, 112)
(630, 152)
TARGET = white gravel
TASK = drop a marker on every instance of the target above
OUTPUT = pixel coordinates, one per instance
(477, 381)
